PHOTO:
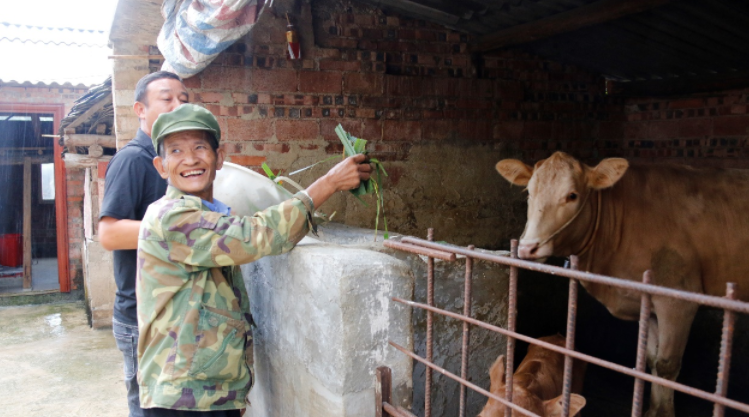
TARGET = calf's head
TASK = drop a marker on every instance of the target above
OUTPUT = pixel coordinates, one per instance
(523, 395)
(558, 188)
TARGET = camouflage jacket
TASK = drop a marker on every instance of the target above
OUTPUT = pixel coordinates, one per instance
(195, 346)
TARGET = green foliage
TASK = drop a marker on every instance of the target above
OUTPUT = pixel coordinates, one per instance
(354, 146)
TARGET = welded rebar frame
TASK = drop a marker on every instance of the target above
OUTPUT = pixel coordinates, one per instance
(433, 250)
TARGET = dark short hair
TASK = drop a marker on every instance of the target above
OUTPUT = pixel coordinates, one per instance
(142, 86)
(211, 140)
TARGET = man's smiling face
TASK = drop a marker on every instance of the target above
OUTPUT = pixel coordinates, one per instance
(189, 162)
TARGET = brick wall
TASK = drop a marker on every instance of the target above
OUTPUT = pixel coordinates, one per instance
(27, 94)
(438, 117)
(701, 130)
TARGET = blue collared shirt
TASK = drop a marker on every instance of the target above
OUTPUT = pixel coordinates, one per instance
(218, 207)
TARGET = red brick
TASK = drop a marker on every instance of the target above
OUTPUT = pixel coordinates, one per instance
(404, 86)
(509, 130)
(438, 130)
(409, 131)
(327, 128)
(730, 126)
(538, 130)
(274, 80)
(663, 130)
(363, 83)
(320, 82)
(247, 160)
(296, 129)
(340, 65)
(259, 129)
(102, 169)
(240, 98)
(470, 87)
(228, 111)
(690, 103)
(695, 128)
(226, 78)
(192, 82)
(446, 87)
(372, 130)
(610, 130)
(272, 147)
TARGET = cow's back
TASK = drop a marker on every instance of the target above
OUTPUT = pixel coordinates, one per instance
(667, 214)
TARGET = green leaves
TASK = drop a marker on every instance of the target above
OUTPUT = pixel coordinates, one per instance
(354, 146)
(268, 171)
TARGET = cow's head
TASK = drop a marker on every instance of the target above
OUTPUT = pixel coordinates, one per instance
(523, 397)
(558, 189)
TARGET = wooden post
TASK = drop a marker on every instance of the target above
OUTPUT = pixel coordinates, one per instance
(383, 390)
(27, 223)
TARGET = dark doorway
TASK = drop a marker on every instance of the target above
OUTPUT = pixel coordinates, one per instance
(28, 220)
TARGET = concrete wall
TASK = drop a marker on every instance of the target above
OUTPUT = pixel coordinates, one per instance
(98, 267)
(325, 316)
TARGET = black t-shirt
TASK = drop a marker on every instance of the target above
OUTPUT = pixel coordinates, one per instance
(132, 183)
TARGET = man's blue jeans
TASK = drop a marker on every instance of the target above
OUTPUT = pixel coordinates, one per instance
(126, 337)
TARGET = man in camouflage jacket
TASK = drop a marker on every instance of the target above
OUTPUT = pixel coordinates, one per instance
(193, 311)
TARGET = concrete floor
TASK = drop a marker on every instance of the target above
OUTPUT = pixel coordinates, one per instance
(53, 364)
(43, 277)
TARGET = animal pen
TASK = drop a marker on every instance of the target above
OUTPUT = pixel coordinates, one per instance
(433, 250)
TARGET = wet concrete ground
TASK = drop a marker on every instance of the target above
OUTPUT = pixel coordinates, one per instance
(53, 364)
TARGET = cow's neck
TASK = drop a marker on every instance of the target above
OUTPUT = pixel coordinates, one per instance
(592, 230)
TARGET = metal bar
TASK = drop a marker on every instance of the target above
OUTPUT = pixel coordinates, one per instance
(393, 411)
(404, 412)
(642, 348)
(445, 256)
(383, 390)
(570, 341)
(587, 358)
(512, 310)
(703, 299)
(462, 381)
(467, 287)
(430, 302)
(726, 345)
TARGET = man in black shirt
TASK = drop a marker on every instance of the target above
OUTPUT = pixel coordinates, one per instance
(132, 183)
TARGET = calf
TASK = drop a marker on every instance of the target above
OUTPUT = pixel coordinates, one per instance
(537, 383)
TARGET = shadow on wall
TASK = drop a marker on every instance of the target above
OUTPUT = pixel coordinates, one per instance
(542, 310)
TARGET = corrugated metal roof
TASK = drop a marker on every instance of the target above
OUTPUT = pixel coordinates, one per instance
(676, 39)
(49, 56)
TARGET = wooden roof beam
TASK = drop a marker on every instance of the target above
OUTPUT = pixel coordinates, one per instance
(107, 141)
(591, 14)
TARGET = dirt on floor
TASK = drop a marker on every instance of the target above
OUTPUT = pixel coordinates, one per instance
(53, 364)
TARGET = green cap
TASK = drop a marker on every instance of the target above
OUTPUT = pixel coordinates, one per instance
(185, 117)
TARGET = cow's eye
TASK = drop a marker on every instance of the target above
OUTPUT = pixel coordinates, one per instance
(572, 197)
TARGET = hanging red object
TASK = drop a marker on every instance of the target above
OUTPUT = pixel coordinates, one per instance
(292, 41)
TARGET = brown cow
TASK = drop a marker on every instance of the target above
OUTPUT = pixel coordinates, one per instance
(689, 226)
(537, 383)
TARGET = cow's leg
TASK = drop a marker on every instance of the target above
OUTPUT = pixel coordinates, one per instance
(674, 320)
(652, 342)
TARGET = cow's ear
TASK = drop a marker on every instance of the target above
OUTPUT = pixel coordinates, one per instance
(607, 173)
(497, 374)
(515, 171)
(553, 407)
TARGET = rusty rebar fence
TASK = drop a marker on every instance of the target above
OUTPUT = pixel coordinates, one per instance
(433, 250)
